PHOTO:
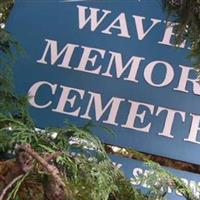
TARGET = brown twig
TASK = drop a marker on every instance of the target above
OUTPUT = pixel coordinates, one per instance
(50, 168)
(9, 186)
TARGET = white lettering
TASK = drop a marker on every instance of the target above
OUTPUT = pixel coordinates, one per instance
(140, 27)
(169, 74)
(184, 79)
(169, 32)
(53, 46)
(86, 57)
(170, 115)
(194, 129)
(113, 103)
(34, 89)
(122, 26)
(68, 97)
(92, 18)
(133, 115)
(116, 60)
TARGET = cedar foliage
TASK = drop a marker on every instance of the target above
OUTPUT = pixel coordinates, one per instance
(41, 164)
(186, 15)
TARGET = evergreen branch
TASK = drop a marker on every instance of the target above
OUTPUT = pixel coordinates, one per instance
(185, 15)
(160, 179)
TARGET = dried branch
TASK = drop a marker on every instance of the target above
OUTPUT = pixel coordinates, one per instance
(9, 186)
(50, 168)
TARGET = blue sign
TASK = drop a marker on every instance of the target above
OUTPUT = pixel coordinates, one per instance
(113, 63)
(132, 169)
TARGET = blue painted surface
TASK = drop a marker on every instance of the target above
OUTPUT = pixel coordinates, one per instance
(31, 22)
(132, 168)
